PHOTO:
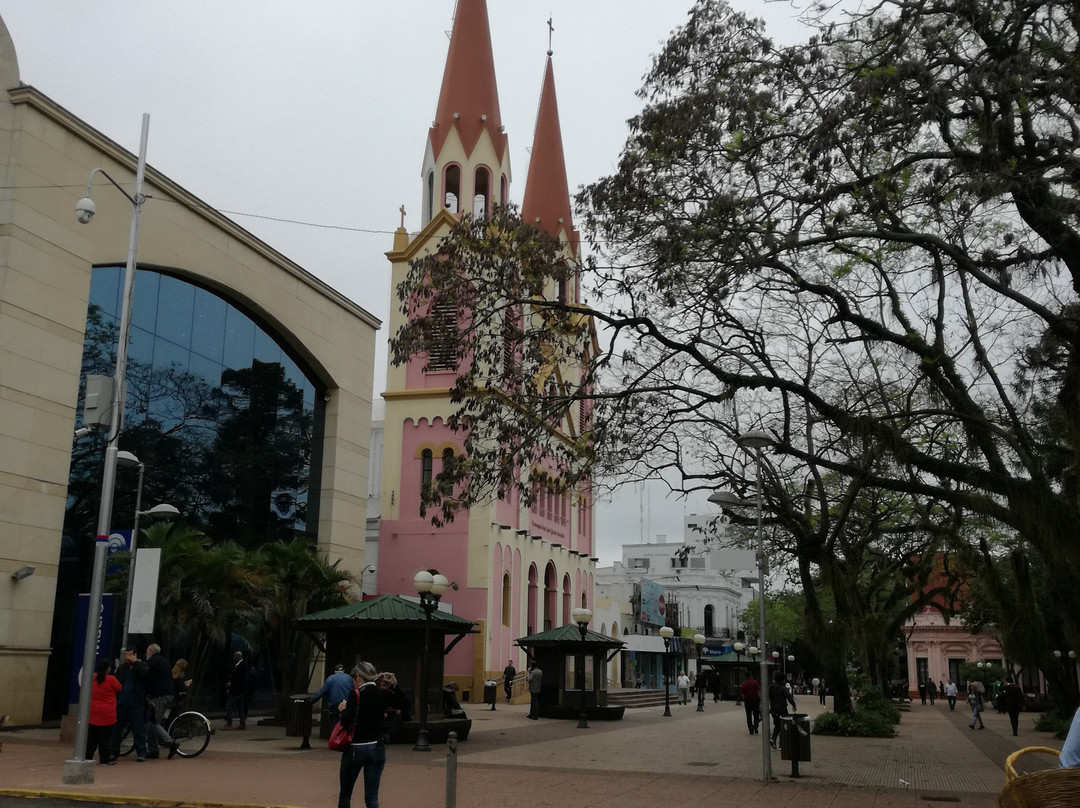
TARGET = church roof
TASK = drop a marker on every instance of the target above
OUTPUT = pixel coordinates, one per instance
(469, 98)
(547, 194)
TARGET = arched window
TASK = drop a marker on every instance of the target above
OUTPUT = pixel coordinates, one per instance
(710, 621)
(481, 193)
(447, 459)
(452, 189)
(425, 470)
(429, 197)
(506, 599)
(533, 600)
(566, 600)
(502, 190)
(248, 473)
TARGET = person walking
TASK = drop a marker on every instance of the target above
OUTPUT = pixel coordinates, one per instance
(682, 685)
(160, 694)
(1015, 700)
(535, 678)
(779, 698)
(363, 709)
(509, 672)
(931, 691)
(821, 692)
(975, 700)
(750, 690)
(714, 685)
(236, 687)
(131, 704)
(701, 684)
(922, 691)
(334, 690)
(181, 685)
(950, 694)
(103, 690)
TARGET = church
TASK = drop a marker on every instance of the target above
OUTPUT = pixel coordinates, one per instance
(514, 569)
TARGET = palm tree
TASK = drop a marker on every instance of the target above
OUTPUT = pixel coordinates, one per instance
(298, 582)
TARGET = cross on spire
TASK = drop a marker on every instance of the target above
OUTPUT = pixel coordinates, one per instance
(551, 30)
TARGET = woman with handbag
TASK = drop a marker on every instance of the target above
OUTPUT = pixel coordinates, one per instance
(361, 713)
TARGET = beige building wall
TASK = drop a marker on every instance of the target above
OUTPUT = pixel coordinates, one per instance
(46, 257)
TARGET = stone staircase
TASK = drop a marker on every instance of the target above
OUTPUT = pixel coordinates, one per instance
(637, 697)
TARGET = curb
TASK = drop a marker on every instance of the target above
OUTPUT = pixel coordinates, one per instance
(126, 799)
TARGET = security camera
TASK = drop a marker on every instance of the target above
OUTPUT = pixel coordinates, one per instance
(85, 210)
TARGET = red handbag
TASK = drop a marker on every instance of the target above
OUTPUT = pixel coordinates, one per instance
(341, 736)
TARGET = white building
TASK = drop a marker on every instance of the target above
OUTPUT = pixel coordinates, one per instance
(707, 583)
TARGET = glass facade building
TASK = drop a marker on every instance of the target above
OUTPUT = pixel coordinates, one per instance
(224, 419)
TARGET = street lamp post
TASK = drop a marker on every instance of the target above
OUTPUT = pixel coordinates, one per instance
(429, 585)
(738, 649)
(582, 616)
(162, 511)
(667, 632)
(699, 640)
(79, 769)
(756, 441)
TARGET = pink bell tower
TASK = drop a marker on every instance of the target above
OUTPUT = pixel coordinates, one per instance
(518, 570)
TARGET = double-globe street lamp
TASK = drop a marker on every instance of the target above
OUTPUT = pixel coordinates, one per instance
(582, 616)
(79, 769)
(755, 441)
(430, 585)
(738, 648)
(667, 632)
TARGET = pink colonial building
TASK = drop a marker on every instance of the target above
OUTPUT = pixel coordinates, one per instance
(517, 570)
(936, 650)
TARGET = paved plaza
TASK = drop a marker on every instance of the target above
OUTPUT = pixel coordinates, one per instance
(689, 759)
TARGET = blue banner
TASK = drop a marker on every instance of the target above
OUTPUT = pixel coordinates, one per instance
(652, 603)
(103, 648)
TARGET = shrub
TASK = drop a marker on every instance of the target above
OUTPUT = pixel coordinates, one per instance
(862, 723)
(1053, 721)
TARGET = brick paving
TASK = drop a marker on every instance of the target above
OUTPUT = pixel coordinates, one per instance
(692, 758)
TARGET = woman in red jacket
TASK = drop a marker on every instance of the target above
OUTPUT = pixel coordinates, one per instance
(103, 692)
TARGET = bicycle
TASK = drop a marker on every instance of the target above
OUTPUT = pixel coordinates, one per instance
(190, 730)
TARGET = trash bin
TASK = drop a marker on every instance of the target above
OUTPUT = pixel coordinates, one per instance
(491, 692)
(795, 737)
(298, 719)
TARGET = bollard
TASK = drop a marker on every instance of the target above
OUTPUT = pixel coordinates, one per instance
(451, 770)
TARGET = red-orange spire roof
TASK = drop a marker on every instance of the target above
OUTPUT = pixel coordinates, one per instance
(547, 194)
(468, 89)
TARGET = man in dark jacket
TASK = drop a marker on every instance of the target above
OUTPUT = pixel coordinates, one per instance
(236, 687)
(160, 692)
(131, 704)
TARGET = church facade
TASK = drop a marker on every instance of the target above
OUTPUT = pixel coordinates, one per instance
(515, 570)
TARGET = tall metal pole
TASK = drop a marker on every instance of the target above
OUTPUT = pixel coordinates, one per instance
(422, 744)
(766, 747)
(108, 477)
(131, 558)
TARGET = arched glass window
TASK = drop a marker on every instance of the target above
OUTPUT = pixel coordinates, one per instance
(710, 621)
(502, 190)
(220, 413)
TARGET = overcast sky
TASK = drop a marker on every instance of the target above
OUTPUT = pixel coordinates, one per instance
(306, 123)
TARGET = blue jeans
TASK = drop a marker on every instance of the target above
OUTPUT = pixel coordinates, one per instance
(371, 758)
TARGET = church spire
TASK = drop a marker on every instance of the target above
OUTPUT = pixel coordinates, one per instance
(547, 194)
(469, 98)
